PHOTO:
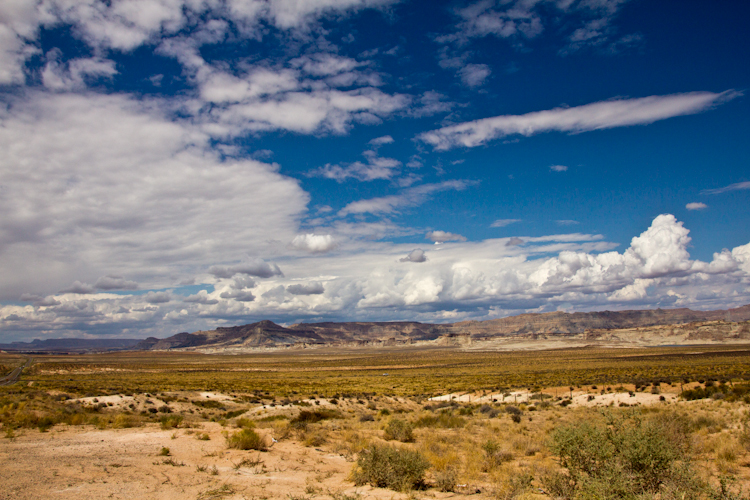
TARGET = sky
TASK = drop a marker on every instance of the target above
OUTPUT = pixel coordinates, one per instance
(179, 165)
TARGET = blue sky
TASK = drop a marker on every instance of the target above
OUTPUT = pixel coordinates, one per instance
(177, 165)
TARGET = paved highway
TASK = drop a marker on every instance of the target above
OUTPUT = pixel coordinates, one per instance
(13, 376)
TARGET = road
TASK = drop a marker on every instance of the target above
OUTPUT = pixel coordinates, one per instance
(13, 376)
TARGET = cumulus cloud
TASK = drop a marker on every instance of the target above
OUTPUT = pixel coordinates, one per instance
(201, 297)
(558, 168)
(76, 73)
(110, 165)
(478, 280)
(504, 222)
(732, 187)
(257, 268)
(443, 236)
(79, 288)
(315, 243)
(595, 116)
(696, 206)
(238, 295)
(416, 255)
(313, 288)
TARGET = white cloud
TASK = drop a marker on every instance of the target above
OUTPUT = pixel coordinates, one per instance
(474, 75)
(315, 243)
(696, 206)
(376, 168)
(380, 141)
(504, 222)
(732, 187)
(19, 24)
(407, 198)
(477, 279)
(595, 116)
(324, 64)
(110, 186)
(558, 168)
(443, 236)
(257, 268)
(567, 222)
(75, 74)
(591, 23)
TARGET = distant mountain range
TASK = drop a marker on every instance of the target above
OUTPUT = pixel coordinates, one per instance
(70, 345)
(556, 324)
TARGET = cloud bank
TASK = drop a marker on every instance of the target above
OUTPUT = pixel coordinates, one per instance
(470, 280)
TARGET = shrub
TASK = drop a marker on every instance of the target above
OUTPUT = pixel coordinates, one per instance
(630, 456)
(170, 422)
(245, 423)
(444, 420)
(446, 479)
(164, 452)
(400, 430)
(385, 466)
(246, 439)
(306, 417)
(494, 455)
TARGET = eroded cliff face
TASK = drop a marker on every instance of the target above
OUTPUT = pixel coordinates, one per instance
(575, 323)
(684, 325)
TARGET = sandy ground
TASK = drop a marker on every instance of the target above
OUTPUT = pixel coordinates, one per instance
(579, 398)
(83, 463)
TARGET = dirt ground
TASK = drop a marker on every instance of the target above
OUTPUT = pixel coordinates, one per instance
(79, 462)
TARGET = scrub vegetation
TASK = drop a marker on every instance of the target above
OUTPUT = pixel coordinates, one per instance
(520, 426)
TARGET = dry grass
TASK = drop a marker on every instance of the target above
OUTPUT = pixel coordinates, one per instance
(502, 450)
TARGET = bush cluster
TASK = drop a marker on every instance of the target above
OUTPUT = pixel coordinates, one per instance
(246, 439)
(400, 430)
(385, 466)
(626, 457)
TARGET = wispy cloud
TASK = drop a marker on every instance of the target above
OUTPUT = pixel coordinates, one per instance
(407, 198)
(558, 168)
(696, 206)
(595, 116)
(567, 222)
(732, 187)
(504, 222)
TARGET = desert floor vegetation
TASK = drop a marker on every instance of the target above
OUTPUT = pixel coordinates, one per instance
(665, 423)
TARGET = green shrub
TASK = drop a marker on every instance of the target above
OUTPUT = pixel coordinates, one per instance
(245, 423)
(306, 417)
(170, 422)
(385, 466)
(628, 457)
(246, 439)
(400, 430)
